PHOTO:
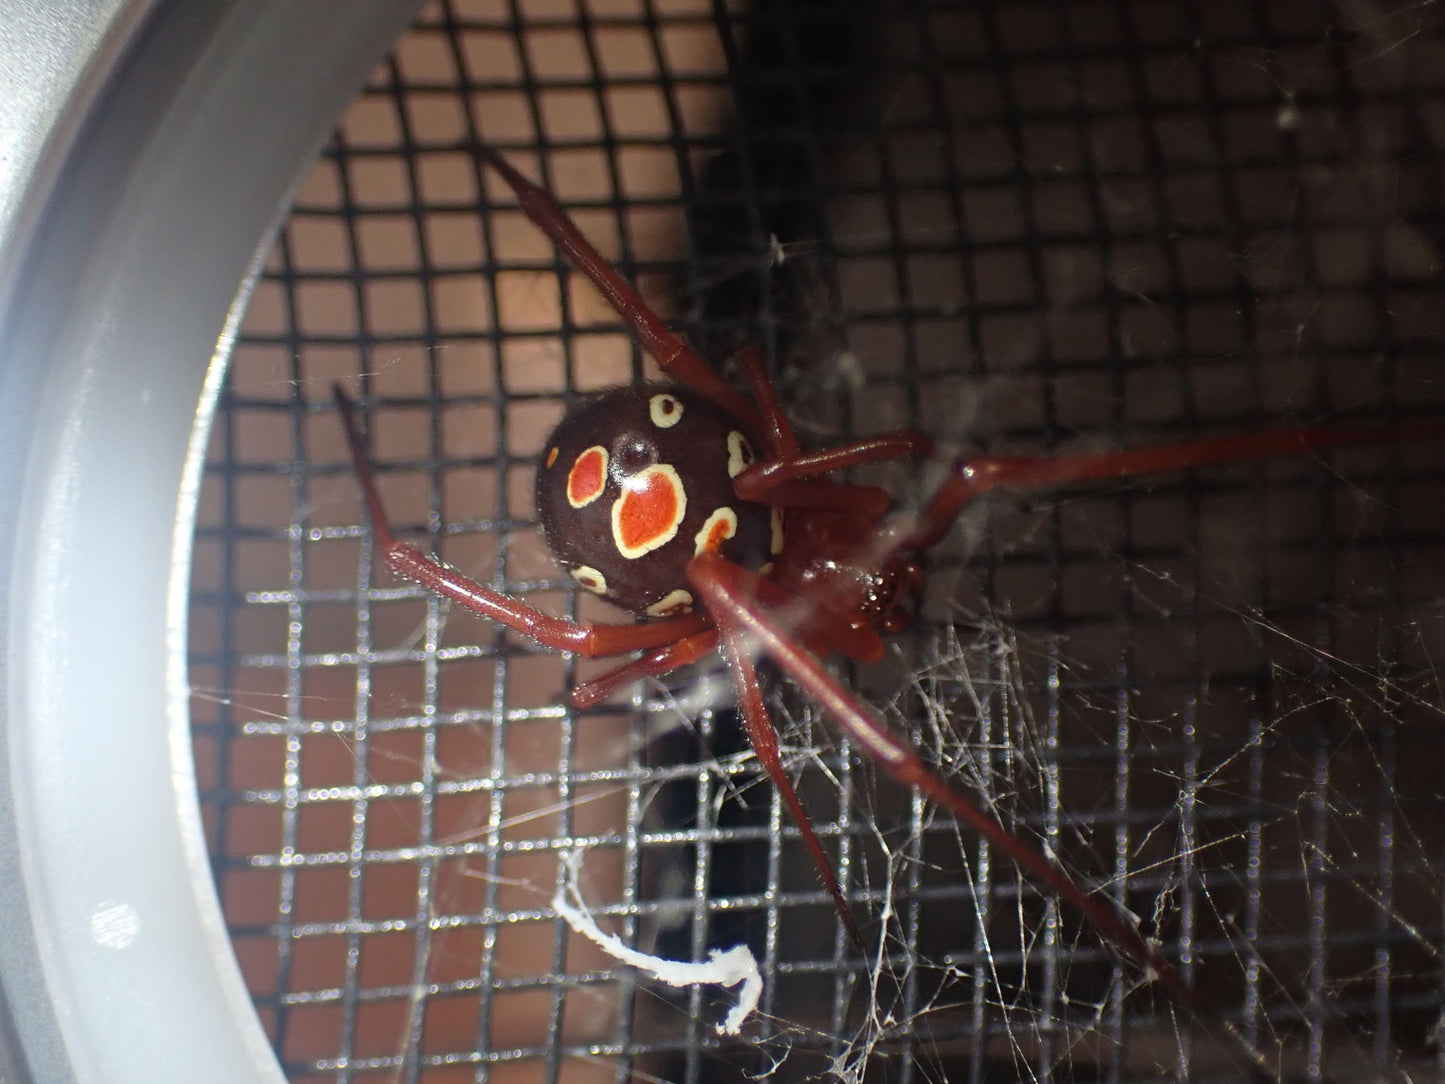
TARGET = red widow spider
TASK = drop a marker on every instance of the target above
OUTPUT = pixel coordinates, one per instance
(696, 507)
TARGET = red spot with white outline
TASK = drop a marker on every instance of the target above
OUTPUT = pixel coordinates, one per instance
(649, 511)
(588, 477)
(590, 578)
(665, 410)
(720, 526)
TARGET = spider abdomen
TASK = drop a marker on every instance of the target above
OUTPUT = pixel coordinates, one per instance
(635, 482)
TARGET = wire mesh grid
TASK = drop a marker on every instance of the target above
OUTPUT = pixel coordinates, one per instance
(1024, 227)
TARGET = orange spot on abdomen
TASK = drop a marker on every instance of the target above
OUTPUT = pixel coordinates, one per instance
(647, 514)
(588, 477)
(720, 526)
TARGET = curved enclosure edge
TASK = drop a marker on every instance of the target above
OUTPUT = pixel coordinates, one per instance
(175, 179)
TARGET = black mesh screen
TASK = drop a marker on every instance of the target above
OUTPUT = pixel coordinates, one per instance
(1215, 698)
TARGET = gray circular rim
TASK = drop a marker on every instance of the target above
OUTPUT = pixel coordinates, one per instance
(156, 168)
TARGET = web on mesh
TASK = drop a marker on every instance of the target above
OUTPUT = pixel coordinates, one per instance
(1214, 698)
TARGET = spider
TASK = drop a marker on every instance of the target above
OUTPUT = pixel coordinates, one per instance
(696, 508)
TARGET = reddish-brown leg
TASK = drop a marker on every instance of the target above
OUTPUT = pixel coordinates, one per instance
(816, 626)
(823, 632)
(797, 482)
(759, 481)
(674, 356)
(591, 640)
(792, 479)
(777, 429)
(656, 663)
(764, 739)
(742, 621)
(861, 502)
(760, 732)
(974, 477)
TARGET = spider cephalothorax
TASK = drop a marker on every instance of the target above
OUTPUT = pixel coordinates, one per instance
(636, 482)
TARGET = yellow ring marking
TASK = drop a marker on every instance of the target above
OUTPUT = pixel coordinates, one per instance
(740, 454)
(672, 603)
(590, 578)
(664, 410)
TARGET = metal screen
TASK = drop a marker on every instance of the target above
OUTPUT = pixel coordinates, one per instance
(1020, 227)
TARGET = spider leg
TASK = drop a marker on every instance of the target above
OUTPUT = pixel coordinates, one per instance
(795, 482)
(972, 478)
(776, 481)
(764, 738)
(867, 503)
(792, 479)
(760, 732)
(741, 620)
(783, 442)
(655, 663)
(823, 631)
(675, 357)
(755, 483)
(591, 640)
